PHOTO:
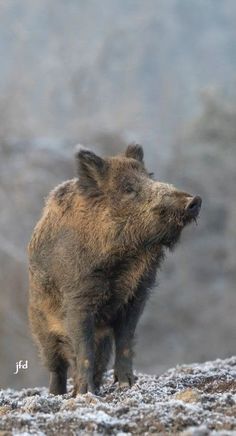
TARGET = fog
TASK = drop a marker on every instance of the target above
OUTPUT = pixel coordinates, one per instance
(161, 73)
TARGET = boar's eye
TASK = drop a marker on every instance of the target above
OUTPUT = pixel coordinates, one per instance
(129, 189)
(151, 175)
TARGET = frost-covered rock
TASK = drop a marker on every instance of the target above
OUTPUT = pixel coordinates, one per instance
(197, 399)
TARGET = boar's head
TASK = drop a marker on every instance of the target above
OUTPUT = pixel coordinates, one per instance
(142, 210)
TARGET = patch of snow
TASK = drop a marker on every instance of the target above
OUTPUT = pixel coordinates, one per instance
(197, 399)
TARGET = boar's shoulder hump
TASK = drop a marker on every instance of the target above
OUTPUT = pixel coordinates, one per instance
(64, 192)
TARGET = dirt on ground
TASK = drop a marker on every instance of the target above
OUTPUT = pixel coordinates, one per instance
(197, 399)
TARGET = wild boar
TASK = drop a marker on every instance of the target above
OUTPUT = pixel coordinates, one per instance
(93, 258)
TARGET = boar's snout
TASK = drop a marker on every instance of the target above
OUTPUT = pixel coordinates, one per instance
(193, 206)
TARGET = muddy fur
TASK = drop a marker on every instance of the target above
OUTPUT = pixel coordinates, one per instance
(93, 258)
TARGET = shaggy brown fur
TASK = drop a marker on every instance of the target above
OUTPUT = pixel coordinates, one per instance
(93, 257)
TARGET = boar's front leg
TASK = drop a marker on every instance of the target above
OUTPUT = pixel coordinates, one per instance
(80, 325)
(124, 329)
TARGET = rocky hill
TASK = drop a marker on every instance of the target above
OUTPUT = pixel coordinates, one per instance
(197, 399)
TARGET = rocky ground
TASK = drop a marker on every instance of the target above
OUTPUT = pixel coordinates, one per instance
(197, 399)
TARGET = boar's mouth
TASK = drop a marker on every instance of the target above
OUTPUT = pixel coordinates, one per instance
(184, 215)
(173, 220)
(178, 218)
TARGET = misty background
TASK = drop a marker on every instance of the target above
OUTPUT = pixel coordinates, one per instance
(105, 73)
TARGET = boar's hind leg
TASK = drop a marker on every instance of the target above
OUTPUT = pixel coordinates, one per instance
(56, 363)
(124, 329)
(51, 347)
(102, 356)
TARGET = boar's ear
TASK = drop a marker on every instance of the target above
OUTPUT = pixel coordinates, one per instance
(135, 151)
(91, 170)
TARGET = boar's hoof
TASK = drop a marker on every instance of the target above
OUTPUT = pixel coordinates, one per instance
(57, 384)
(83, 387)
(124, 384)
(125, 380)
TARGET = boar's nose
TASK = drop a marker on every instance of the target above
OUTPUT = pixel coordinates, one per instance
(194, 205)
